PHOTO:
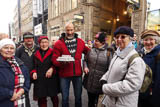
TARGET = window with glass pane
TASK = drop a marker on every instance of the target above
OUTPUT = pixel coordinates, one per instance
(74, 4)
(56, 7)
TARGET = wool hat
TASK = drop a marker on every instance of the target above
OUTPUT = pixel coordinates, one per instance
(149, 33)
(6, 41)
(42, 37)
(124, 30)
(101, 36)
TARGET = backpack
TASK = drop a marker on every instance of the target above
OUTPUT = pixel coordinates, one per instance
(147, 77)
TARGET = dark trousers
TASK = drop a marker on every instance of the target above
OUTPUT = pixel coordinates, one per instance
(27, 100)
(92, 99)
(42, 102)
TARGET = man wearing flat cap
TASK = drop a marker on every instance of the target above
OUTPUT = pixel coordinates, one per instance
(26, 52)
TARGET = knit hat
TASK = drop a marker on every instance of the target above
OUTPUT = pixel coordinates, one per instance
(42, 37)
(149, 33)
(124, 30)
(101, 36)
(6, 41)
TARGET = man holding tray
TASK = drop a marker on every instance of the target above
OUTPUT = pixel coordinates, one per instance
(70, 70)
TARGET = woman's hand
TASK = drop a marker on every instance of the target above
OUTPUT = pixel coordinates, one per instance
(20, 93)
(34, 76)
(17, 95)
(14, 97)
(86, 70)
(49, 73)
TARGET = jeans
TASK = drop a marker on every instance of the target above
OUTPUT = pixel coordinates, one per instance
(77, 87)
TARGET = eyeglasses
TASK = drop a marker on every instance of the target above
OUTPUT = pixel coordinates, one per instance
(121, 37)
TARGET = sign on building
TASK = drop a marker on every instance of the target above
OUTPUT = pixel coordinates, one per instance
(38, 29)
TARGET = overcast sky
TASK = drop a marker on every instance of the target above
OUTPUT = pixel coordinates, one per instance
(7, 8)
(6, 14)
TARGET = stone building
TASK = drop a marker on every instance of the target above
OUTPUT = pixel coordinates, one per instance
(92, 16)
(26, 16)
(16, 22)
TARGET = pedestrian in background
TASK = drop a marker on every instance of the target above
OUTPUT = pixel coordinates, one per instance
(26, 52)
(70, 44)
(122, 81)
(151, 55)
(95, 66)
(134, 41)
(14, 75)
(46, 81)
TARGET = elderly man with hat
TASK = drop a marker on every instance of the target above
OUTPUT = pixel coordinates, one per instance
(151, 55)
(26, 52)
(122, 82)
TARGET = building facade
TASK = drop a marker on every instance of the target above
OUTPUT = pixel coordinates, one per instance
(92, 16)
(16, 22)
(26, 16)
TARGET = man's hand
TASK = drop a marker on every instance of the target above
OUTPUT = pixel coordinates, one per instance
(86, 70)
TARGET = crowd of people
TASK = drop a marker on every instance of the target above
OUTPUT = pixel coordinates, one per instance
(106, 69)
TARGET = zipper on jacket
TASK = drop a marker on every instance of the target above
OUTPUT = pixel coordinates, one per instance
(74, 73)
(95, 63)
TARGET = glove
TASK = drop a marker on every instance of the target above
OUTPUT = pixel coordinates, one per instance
(102, 82)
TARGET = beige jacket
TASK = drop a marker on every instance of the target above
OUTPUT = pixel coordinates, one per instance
(123, 92)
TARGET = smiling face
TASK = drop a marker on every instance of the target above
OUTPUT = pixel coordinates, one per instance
(29, 42)
(7, 51)
(97, 43)
(44, 44)
(122, 40)
(149, 42)
(70, 30)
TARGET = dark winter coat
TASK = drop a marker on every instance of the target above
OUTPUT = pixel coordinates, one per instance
(7, 79)
(28, 60)
(72, 68)
(153, 61)
(97, 61)
(43, 86)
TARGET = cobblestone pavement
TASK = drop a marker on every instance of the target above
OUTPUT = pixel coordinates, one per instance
(71, 98)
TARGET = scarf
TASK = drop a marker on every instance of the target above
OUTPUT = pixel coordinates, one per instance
(30, 51)
(19, 81)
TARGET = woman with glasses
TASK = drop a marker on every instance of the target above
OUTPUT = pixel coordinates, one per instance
(14, 76)
(151, 55)
(122, 80)
(46, 80)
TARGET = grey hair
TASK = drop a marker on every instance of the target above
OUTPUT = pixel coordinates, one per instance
(156, 38)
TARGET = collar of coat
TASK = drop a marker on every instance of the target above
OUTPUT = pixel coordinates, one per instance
(3, 61)
(125, 52)
(38, 55)
(63, 35)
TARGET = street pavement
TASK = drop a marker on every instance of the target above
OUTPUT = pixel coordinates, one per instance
(71, 98)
